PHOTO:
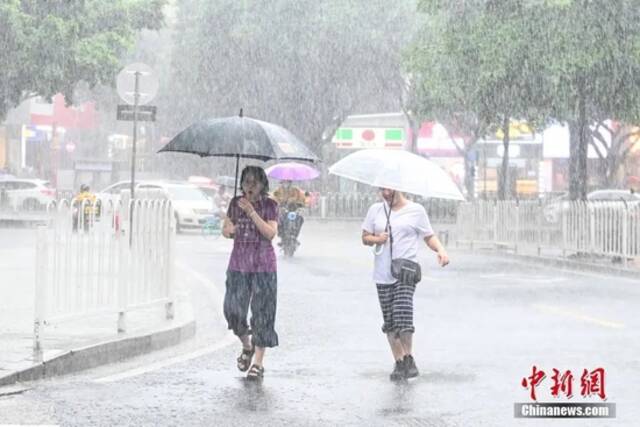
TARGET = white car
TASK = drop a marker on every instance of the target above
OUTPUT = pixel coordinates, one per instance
(613, 196)
(26, 194)
(112, 192)
(191, 206)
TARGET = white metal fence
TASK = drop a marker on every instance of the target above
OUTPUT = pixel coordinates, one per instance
(596, 228)
(88, 263)
(355, 206)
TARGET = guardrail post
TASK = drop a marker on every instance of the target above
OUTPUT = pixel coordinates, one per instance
(592, 228)
(540, 214)
(495, 222)
(124, 256)
(323, 207)
(457, 225)
(625, 235)
(125, 198)
(42, 260)
(564, 214)
(171, 244)
(517, 239)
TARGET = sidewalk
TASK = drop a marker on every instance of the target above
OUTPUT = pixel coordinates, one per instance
(74, 344)
(556, 257)
(548, 255)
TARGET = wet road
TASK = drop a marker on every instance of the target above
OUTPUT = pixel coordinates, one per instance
(481, 324)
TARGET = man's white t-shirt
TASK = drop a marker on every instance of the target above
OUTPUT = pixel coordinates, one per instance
(409, 225)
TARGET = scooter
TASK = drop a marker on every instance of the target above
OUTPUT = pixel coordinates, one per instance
(85, 214)
(288, 241)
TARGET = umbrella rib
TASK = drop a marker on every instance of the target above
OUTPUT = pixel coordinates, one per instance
(251, 156)
(265, 135)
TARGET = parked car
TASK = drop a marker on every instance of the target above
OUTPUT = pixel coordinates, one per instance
(191, 206)
(206, 185)
(26, 194)
(112, 192)
(555, 207)
(613, 196)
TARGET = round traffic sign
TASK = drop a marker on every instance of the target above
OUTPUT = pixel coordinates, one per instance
(147, 83)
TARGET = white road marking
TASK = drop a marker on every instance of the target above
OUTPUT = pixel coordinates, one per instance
(225, 342)
(12, 390)
(492, 276)
(208, 284)
(541, 279)
(524, 278)
(579, 316)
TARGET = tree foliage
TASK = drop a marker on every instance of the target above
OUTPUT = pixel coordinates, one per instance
(593, 64)
(49, 46)
(476, 67)
(303, 64)
(573, 61)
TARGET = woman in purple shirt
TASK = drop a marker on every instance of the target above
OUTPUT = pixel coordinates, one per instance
(252, 223)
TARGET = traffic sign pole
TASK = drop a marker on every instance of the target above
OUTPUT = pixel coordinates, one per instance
(136, 97)
(145, 87)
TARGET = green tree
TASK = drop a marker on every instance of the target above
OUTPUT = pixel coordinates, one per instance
(50, 46)
(305, 64)
(592, 59)
(612, 142)
(477, 68)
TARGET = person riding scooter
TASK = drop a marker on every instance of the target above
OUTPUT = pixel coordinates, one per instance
(289, 197)
(85, 201)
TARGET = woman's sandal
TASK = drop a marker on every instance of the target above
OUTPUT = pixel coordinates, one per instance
(244, 360)
(256, 373)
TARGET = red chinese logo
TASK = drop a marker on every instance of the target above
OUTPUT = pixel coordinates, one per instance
(591, 383)
(533, 381)
(562, 384)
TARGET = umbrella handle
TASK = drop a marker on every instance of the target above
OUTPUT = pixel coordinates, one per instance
(377, 249)
(235, 187)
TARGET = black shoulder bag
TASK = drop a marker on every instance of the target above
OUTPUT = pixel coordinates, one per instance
(404, 270)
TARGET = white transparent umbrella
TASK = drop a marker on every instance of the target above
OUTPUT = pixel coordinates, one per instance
(398, 170)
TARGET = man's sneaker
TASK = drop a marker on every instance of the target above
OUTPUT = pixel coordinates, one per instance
(411, 370)
(399, 372)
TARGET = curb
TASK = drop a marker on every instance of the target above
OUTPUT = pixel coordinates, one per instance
(103, 353)
(566, 264)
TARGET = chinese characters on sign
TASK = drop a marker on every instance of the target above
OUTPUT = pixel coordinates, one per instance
(591, 383)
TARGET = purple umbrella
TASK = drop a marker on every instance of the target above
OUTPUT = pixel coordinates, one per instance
(292, 172)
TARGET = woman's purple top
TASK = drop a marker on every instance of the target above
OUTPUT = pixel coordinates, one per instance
(252, 252)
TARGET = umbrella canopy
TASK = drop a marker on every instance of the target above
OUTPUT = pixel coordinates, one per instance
(240, 136)
(292, 172)
(398, 170)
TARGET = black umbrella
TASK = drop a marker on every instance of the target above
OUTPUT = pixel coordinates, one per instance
(240, 136)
